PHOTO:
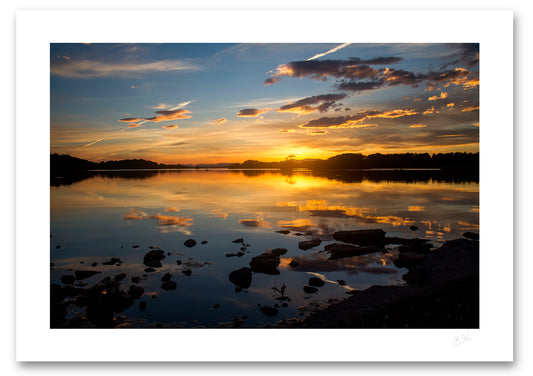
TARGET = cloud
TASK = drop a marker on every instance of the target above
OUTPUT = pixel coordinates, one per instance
(93, 68)
(167, 220)
(251, 112)
(173, 126)
(418, 126)
(286, 131)
(130, 120)
(471, 108)
(443, 95)
(92, 143)
(358, 120)
(354, 69)
(317, 132)
(218, 121)
(172, 209)
(135, 125)
(165, 115)
(254, 223)
(305, 105)
(430, 111)
(335, 49)
(450, 105)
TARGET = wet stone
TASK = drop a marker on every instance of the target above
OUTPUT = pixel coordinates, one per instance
(293, 264)
(240, 240)
(316, 282)
(120, 277)
(284, 232)
(149, 270)
(169, 285)
(203, 242)
(135, 291)
(135, 279)
(308, 244)
(189, 243)
(310, 290)
(269, 311)
(187, 272)
(166, 277)
(413, 228)
(154, 257)
(341, 282)
(241, 278)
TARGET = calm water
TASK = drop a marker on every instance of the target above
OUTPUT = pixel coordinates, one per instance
(105, 214)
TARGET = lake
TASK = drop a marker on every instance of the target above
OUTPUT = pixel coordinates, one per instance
(126, 214)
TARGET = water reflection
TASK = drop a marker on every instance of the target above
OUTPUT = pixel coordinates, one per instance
(103, 215)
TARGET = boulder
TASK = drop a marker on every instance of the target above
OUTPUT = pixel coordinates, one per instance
(169, 285)
(284, 232)
(136, 291)
(310, 290)
(316, 282)
(241, 278)
(154, 257)
(189, 243)
(166, 277)
(308, 244)
(293, 264)
(269, 311)
(278, 251)
(338, 251)
(361, 237)
(240, 240)
(265, 263)
(82, 274)
(187, 272)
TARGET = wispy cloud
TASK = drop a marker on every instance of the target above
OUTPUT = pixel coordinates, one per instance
(358, 120)
(442, 95)
(252, 112)
(218, 121)
(173, 126)
(317, 103)
(93, 68)
(92, 143)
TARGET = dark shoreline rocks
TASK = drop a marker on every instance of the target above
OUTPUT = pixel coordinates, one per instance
(153, 258)
(308, 244)
(361, 237)
(442, 291)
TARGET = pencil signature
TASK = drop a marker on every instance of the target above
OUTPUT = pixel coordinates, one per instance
(459, 340)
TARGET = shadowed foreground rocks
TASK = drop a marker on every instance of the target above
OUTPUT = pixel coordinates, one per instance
(442, 291)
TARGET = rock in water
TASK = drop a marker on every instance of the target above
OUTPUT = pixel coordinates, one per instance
(241, 278)
(471, 235)
(308, 244)
(82, 274)
(169, 285)
(269, 311)
(338, 251)
(154, 257)
(190, 243)
(310, 290)
(67, 279)
(413, 228)
(316, 282)
(265, 263)
(166, 277)
(293, 264)
(187, 272)
(240, 240)
(361, 237)
(136, 291)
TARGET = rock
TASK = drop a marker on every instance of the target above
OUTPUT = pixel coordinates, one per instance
(284, 304)
(142, 305)
(215, 306)
(293, 264)
(187, 272)
(471, 235)
(269, 311)
(241, 278)
(82, 274)
(120, 277)
(310, 290)
(166, 277)
(112, 261)
(168, 253)
(413, 228)
(169, 285)
(284, 232)
(338, 251)
(94, 264)
(203, 242)
(279, 251)
(316, 282)
(415, 245)
(136, 291)
(135, 246)
(67, 279)
(149, 270)
(361, 237)
(189, 243)
(240, 240)
(341, 282)
(265, 263)
(153, 258)
(135, 279)
(298, 234)
(153, 247)
(58, 246)
(178, 262)
(308, 244)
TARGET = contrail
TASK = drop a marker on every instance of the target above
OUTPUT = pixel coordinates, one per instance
(180, 105)
(92, 143)
(329, 52)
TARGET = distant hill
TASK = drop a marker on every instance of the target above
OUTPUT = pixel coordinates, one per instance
(68, 165)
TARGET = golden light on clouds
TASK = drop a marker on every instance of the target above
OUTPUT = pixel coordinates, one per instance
(418, 126)
(442, 95)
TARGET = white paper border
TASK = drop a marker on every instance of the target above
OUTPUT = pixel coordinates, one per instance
(36, 29)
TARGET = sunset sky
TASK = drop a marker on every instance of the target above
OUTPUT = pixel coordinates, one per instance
(210, 103)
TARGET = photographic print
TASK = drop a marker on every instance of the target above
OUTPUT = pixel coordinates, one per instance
(264, 185)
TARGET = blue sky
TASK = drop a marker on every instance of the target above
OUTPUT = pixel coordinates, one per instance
(207, 103)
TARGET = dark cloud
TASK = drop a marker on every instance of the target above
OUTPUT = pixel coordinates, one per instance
(304, 105)
(251, 112)
(356, 121)
(360, 86)
(463, 53)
